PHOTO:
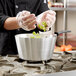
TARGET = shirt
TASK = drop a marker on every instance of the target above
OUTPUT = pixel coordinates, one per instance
(10, 8)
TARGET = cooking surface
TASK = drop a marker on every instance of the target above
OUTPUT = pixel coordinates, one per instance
(69, 73)
(13, 66)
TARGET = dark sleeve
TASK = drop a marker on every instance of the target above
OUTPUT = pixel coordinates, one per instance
(3, 17)
(43, 6)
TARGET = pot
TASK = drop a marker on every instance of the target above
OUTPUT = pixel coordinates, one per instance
(36, 49)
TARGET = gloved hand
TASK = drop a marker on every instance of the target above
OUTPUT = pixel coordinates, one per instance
(26, 20)
(48, 17)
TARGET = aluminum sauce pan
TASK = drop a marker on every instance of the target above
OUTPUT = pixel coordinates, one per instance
(35, 49)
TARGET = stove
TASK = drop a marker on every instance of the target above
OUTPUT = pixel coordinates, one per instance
(60, 62)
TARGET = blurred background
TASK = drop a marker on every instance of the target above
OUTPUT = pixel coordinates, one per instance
(65, 20)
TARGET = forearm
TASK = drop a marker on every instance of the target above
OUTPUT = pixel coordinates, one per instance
(11, 23)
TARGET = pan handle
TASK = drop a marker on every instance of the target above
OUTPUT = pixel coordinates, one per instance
(61, 32)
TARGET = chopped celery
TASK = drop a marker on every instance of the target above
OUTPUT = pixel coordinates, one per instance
(32, 37)
(39, 26)
(44, 23)
(37, 36)
(34, 33)
(44, 29)
(43, 26)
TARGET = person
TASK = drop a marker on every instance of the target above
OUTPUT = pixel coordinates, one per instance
(19, 16)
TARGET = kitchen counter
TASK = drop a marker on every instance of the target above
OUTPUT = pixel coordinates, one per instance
(69, 73)
(60, 65)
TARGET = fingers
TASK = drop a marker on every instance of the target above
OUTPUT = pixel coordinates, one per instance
(31, 25)
(47, 28)
(28, 17)
(25, 13)
(26, 20)
(50, 18)
(44, 17)
(51, 12)
(29, 21)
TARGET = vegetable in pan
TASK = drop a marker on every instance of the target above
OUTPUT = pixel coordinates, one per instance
(35, 35)
(43, 27)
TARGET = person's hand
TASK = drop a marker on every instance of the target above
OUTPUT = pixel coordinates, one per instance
(26, 20)
(48, 17)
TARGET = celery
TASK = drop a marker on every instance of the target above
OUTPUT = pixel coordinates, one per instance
(32, 37)
(36, 35)
(44, 23)
(43, 26)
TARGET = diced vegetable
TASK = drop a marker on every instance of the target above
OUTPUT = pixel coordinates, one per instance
(35, 35)
(43, 26)
(63, 47)
(32, 37)
(44, 23)
(66, 47)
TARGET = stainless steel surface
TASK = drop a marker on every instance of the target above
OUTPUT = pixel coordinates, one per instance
(69, 73)
(59, 64)
(36, 49)
(63, 9)
(64, 22)
(64, 26)
(66, 31)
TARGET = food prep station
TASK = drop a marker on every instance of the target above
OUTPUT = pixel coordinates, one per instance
(60, 63)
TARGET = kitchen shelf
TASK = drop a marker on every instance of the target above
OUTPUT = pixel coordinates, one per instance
(57, 9)
(63, 9)
(71, 9)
